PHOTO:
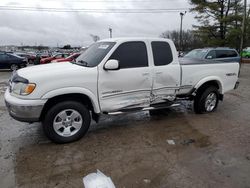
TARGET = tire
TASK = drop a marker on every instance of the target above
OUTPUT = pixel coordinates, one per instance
(154, 112)
(31, 61)
(206, 100)
(14, 67)
(66, 122)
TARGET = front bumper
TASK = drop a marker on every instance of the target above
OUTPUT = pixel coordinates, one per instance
(23, 110)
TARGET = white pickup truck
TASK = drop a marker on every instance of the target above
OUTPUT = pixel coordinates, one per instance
(115, 76)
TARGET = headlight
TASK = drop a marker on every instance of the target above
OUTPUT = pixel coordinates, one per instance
(23, 88)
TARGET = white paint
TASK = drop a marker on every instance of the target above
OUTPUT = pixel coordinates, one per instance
(171, 142)
(97, 180)
(113, 90)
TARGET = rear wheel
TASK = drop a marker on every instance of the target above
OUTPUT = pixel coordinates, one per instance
(206, 100)
(13, 67)
(66, 122)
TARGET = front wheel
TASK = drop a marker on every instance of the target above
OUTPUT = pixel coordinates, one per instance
(13, 67)
(207, 100)
(66, 122)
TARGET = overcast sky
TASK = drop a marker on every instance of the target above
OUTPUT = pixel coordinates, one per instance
(51, 28)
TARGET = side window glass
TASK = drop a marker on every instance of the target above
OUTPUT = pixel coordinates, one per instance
(131, 55)
(232, 53)
(4, 57)
(221, 54)
(211, 55)
(162, 53)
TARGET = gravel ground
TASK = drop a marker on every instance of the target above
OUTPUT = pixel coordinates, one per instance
(210, 150)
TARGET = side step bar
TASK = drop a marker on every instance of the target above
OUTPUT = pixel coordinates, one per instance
(143, 109)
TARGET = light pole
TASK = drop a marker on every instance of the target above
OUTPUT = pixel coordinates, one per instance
(180, 44)
(110, 32)
(243, 26)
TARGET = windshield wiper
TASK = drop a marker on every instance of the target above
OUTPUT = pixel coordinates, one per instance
(81, 62)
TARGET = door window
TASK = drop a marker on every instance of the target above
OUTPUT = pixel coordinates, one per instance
(131, 55)
(4, 57)
(221, 54)
(162, 53)
(59, 56)
(232, 53)
(211, 55)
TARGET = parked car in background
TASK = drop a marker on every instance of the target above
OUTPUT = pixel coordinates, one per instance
(69, 58)
(218, 54)
(57, 56)
(246, 53)
(30, 58)
(43, 55)
(11, 61)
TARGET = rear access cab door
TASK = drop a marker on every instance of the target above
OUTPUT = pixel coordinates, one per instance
(166, 71)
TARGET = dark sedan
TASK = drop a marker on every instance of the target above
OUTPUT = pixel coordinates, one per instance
(11, 61)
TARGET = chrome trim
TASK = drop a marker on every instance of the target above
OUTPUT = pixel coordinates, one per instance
(24, 113)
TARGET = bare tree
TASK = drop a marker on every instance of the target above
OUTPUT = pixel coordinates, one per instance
(190, 39)
(95, 37)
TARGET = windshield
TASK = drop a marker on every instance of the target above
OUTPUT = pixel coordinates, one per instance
(94, 54)
(15, 55)
(199, 53)
(57, 55)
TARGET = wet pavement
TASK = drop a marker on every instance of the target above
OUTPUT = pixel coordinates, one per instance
(209, 150)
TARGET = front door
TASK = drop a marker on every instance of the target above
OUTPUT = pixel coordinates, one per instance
(4, 61)
(130, 86)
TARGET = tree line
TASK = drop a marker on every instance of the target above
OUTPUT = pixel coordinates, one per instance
(220, 24)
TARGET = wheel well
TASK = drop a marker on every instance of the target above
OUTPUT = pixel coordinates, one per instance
(208, 84)
(74, 97)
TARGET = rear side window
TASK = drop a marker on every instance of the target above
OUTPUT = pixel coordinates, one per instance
(232, 53)
(131, 55)
(226, 53)
(162, 53)
(221, 54)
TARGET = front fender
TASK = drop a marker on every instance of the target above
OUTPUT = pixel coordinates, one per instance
(69, 90)
(211, 78)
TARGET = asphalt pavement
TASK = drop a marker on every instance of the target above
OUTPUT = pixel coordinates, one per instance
(176, 148)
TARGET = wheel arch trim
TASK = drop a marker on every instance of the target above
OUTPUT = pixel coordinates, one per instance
(74, 90)
(210, 79)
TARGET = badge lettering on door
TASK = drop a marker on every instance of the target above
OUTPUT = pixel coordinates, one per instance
(111, 92)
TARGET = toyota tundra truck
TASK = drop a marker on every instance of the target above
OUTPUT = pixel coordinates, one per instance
(115, 76)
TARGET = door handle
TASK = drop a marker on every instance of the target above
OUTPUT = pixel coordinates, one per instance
(158, 72)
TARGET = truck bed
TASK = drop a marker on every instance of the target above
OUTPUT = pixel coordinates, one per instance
(194, 71)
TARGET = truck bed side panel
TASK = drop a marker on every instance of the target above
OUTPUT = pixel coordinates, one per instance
(196, 72)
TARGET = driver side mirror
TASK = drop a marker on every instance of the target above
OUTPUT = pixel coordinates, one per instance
(111, 64)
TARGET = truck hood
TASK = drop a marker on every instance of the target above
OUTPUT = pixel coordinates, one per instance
(59, 78)
(49, 71)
